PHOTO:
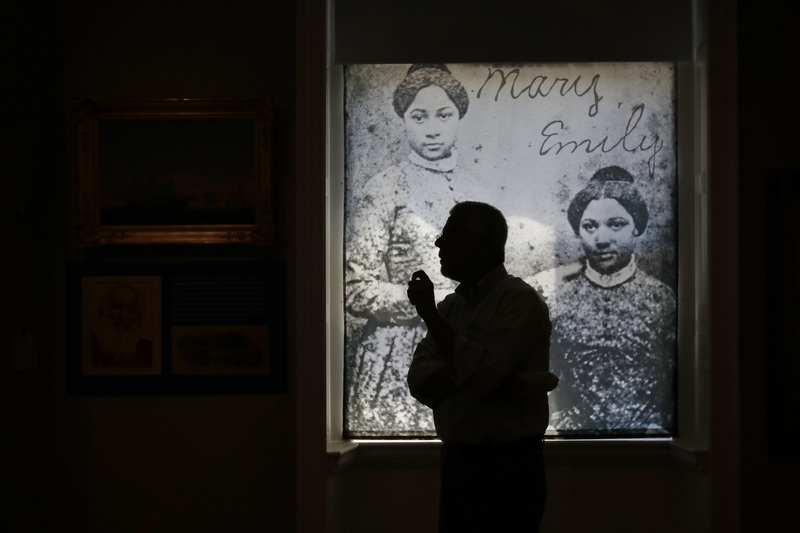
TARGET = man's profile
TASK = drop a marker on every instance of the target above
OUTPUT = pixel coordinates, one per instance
(484, 370)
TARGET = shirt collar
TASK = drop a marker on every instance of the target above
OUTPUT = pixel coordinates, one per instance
(615, 278)
(448, 164)
(484, 285)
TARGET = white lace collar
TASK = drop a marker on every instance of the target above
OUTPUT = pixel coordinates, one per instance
(615, 278)
(448, 164)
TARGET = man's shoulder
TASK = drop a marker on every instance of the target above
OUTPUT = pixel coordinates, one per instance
(516, 289)
(547, 281)
(515, 283)
(518, 296)
(449, 299)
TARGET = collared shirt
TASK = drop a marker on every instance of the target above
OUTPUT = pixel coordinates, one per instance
(502, 330)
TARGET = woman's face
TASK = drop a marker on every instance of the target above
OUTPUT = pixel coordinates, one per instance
(432, 123)
(608, 235)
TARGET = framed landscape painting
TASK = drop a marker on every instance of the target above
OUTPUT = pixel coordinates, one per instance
(174, 171)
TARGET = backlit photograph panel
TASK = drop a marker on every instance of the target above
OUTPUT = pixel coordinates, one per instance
(581, 159)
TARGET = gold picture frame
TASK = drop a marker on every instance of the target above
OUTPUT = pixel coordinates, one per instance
(174, 171)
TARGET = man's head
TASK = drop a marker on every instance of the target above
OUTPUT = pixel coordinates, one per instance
(121, 308)
(472, 242)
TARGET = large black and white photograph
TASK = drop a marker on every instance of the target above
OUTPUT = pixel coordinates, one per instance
(581, 160)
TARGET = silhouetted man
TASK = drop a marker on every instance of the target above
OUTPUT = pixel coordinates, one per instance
(483, 369)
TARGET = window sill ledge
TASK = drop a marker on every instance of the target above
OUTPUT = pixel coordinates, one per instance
(626, 452)
(425, 453)
(340, 453)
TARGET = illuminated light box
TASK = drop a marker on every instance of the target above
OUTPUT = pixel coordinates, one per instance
(581, 159)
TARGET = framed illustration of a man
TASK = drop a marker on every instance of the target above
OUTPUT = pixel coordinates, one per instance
(123, 326)
(139, 328)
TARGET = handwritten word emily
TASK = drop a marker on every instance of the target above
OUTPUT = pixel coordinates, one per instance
(539, 86)
(553, 128)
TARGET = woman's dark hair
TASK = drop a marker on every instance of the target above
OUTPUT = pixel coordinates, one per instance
(421, 75)
(485, 221)
(610, 182)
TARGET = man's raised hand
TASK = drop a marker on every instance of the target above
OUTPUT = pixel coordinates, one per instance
(420, 293)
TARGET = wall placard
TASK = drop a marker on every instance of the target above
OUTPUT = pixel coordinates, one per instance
(177, 328)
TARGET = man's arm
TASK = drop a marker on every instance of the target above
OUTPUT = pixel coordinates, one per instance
(429, 380)
(439, 386)
(420, 293)
(442, 382)
(523, 384)
(520, 384)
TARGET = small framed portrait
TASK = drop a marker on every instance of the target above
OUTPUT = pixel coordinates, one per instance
(121, 333)
(177, 328)
(174, 171)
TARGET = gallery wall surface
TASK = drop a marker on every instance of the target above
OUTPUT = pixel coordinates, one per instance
(395, 31)
(768, 139)
(196, 462)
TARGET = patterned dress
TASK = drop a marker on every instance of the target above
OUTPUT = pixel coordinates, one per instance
(613, 348)
(390, 233)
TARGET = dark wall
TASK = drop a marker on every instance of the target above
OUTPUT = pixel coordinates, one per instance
(157, 463)
(456, 31)
(178, 49)
(31, 256)
(768, 141)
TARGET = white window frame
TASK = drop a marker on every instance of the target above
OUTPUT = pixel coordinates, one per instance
(690, 445)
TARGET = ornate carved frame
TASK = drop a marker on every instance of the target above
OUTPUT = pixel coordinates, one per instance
(90, 231)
